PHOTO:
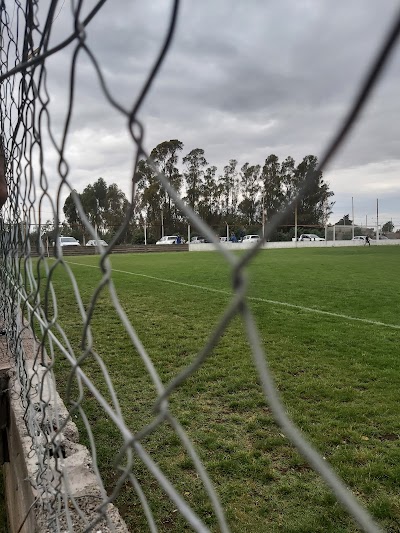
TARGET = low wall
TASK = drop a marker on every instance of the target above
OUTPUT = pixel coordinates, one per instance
(206, 247)
(119, 249)
(73, 477)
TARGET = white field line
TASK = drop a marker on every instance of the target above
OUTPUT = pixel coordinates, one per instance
(252, 298)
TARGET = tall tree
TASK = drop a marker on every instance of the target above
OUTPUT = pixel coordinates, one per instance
(208, 206)
(289, 181)
(249, 187)
(149, 194)
(388, 226)
(344, 221)
(316, 204)
(165, 155)
(117, 206)
(195, 163)
(272, 192)
(90, 205)
(70, 211)
(229, 188)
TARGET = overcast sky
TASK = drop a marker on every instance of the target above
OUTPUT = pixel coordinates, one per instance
(243, 79)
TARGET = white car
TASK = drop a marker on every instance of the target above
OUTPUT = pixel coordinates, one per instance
(168, 239)
(93, 242)
(359, 238)
(251, 238)
(197, 240)
(67, 241)
(310, 237)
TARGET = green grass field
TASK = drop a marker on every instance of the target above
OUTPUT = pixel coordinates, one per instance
(339, 379)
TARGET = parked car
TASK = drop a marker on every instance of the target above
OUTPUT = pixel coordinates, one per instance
(359, 238)
(168, 239)
(197, 240)
(223, 239)
(310, 237)
(67, 241)
(383, 238)
(250, 238)
(93, 242)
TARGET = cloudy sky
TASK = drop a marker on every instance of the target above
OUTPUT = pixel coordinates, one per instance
(243, 79)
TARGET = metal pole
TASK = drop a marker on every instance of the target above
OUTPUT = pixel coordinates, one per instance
(352, 215)
(145, 232)
(162, 223)
(188, 233)
(263, 217)
(334, 233)
(227, 232)
(377, 220)
(295, 223)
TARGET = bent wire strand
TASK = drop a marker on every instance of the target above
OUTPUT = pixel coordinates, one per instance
(24, 108)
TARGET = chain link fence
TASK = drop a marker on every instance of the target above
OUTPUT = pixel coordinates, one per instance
(29, 300)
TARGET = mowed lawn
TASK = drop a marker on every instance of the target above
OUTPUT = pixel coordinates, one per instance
(339, 379)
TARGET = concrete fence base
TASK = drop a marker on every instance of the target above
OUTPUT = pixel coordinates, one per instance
(24, 489)
(119, 249)
(206, 247)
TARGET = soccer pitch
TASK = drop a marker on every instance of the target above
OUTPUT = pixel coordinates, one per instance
(330, 325)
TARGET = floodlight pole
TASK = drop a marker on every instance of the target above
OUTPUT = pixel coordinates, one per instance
(352, 216)
(377, 220)
(263, 217)
(145, 232)
(188, 233)
(227, 232)
(295, 223)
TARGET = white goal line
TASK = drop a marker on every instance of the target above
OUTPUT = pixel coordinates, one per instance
(251, 298)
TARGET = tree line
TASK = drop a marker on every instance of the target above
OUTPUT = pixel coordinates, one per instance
(242, 197)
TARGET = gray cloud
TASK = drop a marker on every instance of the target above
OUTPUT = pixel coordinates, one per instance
(242, 80)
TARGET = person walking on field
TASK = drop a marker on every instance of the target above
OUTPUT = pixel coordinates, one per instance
(367, 240)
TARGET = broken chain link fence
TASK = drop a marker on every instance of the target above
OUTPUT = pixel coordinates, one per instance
(29, 302)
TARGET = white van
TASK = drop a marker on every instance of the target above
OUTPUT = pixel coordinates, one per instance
(251, 238)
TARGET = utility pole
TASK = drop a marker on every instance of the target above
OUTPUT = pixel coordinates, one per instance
(352, 215)
(263, 218)
(377, 220)
(326, 219)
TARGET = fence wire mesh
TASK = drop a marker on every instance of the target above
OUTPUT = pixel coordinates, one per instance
(29, 304)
